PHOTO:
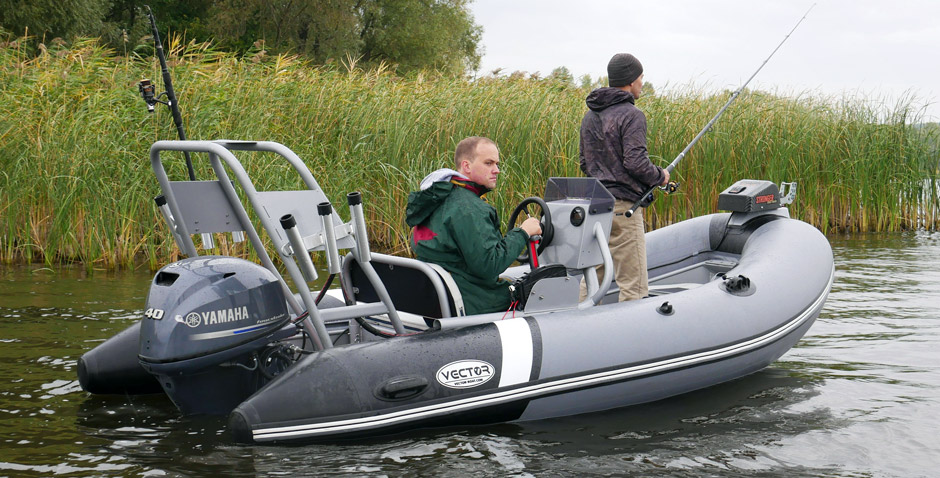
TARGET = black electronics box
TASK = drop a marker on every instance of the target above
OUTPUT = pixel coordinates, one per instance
(749, 195)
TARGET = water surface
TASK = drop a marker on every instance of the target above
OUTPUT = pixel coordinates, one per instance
(857, 397)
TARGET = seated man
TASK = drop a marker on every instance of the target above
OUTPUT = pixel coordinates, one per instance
(457, 229)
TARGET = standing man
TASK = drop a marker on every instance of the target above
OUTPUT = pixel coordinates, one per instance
(613, 150)
(457, 229)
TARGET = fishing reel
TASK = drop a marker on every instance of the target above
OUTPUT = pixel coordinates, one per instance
(148, 93)
(670, 187)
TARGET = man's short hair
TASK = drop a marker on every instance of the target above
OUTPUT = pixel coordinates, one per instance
(467, 149)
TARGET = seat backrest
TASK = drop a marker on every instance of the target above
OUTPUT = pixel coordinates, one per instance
(411, 289)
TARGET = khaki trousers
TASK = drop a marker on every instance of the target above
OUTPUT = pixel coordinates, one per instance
(628, 250)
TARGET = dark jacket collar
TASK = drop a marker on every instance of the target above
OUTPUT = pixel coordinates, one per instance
(603, 98)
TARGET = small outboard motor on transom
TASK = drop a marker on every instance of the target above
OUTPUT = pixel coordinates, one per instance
(748, 198)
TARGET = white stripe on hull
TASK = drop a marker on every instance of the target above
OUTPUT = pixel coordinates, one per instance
(516, 340)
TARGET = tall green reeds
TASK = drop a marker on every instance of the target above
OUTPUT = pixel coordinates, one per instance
(76, 184)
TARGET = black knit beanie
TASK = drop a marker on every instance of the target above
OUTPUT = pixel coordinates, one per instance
(623, 69)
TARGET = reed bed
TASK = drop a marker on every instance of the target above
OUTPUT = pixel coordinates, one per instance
(76, 184)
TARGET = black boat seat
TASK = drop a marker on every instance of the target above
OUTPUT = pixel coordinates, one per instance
(416, 287)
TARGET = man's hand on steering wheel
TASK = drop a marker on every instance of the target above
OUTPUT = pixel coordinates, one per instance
(531, 226)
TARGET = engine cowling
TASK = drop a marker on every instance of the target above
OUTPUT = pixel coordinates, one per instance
(204, 305)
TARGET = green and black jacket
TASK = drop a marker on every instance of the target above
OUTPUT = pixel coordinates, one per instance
(454, 227)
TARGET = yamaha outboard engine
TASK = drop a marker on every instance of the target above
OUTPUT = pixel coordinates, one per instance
(210, 332)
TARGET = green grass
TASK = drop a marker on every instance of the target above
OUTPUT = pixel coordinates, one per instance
(76, 184)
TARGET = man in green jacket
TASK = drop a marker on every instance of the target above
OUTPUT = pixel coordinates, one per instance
(454, 226)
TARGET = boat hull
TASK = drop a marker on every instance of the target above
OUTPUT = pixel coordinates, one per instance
(570, 361)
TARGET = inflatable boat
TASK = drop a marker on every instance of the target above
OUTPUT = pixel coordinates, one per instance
(391, 348)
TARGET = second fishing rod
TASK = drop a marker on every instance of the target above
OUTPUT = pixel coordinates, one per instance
(647, 196)
(148, 91)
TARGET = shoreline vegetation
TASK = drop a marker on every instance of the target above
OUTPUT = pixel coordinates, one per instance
(76, 184)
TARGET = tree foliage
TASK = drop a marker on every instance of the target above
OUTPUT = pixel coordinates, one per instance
(437, 33)
(321, 30)
(53, 18)
(409, 35)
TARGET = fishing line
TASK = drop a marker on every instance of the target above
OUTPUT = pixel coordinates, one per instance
(647, 197)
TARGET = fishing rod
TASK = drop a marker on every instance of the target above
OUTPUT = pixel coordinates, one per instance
(647, 197)
(147, 91)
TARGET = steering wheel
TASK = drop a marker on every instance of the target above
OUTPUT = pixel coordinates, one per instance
(547, 230)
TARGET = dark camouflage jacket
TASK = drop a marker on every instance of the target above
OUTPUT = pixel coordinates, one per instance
(613, 145)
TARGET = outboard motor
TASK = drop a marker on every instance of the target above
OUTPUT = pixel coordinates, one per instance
(752, 203)
(210, 331)
(749, 195)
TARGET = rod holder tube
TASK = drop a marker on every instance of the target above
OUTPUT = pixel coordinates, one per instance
(313, 324)
(325, 210)
(297, 244)
(382, 292)
(363, 252)
(207, 241)
(166, 213)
